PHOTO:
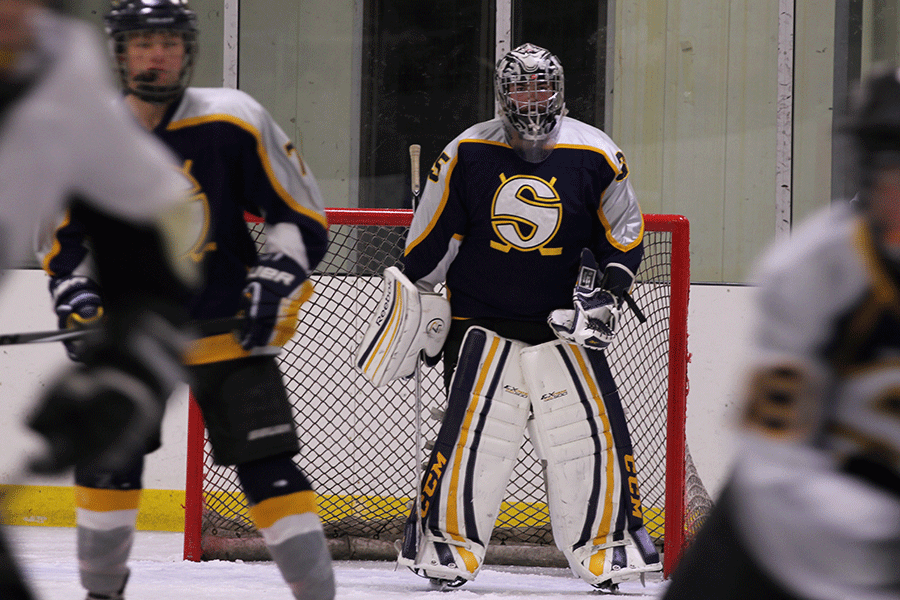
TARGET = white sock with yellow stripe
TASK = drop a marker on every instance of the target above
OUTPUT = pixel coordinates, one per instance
(293, 533)
(106, 520)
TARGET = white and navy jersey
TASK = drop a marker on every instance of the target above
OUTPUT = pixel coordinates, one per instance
(816, 484)
(238, 160)
(506, 235)
(67, 137)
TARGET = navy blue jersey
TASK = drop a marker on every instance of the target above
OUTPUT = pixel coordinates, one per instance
(237, 159)
(506, 235)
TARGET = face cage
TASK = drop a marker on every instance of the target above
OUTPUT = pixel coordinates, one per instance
(158, 94)
(533, 119)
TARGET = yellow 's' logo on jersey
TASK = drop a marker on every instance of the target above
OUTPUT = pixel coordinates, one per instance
(197, 242)
(526, 214)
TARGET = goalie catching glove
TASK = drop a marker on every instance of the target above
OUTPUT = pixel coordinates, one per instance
(276, 289)
(407, 322)
(593, 321)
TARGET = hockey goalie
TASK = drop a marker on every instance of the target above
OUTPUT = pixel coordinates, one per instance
(532, 225)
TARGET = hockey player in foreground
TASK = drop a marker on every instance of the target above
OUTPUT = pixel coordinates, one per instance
(65, 141)
(238, 159)
(528, 218)
(812, 508)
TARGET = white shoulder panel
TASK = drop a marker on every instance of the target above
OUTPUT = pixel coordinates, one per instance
(807, 281)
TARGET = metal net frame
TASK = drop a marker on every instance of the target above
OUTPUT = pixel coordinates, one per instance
(358, 442)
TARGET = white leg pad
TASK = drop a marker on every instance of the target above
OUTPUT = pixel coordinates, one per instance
(473, 459)
(591, 481)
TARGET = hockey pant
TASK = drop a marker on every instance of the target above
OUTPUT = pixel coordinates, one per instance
(584, 445)
(580, 434)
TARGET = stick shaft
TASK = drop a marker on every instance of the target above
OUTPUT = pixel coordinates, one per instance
(211, 327)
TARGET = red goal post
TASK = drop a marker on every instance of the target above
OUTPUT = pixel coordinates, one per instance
(357, 441)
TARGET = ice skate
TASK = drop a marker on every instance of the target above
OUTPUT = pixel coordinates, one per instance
(445, 585)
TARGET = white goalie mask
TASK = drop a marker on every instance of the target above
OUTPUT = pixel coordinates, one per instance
(529, 86)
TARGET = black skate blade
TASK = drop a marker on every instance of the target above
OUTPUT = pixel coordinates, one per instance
(445, 585)
(607, 587)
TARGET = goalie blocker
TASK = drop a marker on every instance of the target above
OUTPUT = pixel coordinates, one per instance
(407, 322)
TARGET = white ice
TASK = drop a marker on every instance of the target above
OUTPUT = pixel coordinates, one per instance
(47, 555)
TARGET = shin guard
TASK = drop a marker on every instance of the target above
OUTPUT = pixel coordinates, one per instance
(295, 539)
(106, 523)
(472, 460)
(580, 433)
(284, 510)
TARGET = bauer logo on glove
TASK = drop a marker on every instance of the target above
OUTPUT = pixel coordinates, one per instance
(276, 289)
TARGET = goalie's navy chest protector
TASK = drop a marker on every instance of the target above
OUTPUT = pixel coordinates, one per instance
(238, 160)
(506, 234)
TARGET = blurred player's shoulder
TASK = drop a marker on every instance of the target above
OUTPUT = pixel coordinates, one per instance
(828, 235)
(220, 104)
(813, 276)
(70, 65)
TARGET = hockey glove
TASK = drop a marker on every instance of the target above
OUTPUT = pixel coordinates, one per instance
(276, 288)
(77, 302)
(103, 413)
(592, 323)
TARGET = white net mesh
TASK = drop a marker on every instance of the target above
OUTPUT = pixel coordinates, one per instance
(358, 442)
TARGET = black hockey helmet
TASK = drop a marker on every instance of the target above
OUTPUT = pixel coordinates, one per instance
(132, 16)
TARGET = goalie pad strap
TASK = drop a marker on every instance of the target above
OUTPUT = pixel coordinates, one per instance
(406, 323)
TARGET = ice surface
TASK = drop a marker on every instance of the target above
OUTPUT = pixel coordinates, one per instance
(47, 555)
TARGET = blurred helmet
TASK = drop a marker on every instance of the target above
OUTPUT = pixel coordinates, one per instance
(139, 16)
(875, 117)
(874, 126)
(529, 85)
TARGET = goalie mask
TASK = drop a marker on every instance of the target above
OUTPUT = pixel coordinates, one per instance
(130, 19)
(529, 86)
(875, 128)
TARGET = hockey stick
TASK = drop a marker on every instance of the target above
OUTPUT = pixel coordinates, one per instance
(413, 527)
(415, 151)
(211, 327)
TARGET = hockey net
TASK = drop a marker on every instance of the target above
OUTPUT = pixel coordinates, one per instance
(358, 442)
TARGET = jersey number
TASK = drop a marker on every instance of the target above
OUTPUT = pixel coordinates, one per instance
(776, 402)
(436, 168)
(623, 167)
